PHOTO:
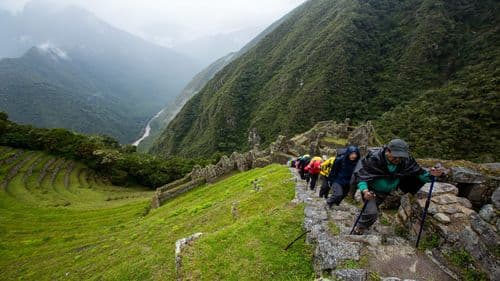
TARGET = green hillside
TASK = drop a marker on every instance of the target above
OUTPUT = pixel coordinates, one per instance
(80, 73)
(196, 84)
(358, 59)
(159, 123)
(36, 89)
(58, 220)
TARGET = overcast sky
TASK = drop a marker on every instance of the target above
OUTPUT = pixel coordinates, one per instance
(163, 20)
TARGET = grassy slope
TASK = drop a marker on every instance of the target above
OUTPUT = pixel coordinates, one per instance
(96, 238)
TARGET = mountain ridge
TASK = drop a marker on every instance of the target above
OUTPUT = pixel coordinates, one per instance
(132, 76)
(342, 59)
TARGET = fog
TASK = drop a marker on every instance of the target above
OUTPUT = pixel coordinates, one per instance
(175, 22)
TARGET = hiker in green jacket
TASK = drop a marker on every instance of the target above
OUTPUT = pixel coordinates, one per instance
(384, 170)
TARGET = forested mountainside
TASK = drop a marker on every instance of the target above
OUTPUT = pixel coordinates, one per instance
(68, 68)
(426, 71)
(168, 113)
(196, 84)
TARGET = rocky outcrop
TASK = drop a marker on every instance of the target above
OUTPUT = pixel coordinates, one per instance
(458, 226)
(253, 139)
(363, 137)
(475, 186)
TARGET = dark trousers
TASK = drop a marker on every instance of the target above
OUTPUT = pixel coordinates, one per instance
(370, 215)
(325, 188)
(302, 174)
(339, 192)
(314, 179)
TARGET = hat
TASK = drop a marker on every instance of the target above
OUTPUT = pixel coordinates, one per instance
(399, 148)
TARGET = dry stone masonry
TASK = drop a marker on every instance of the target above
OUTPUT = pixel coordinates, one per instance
(280, 151)
(340, 256)
(457, 224)
(179, 245)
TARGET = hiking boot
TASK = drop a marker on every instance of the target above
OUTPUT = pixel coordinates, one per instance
(358, 230)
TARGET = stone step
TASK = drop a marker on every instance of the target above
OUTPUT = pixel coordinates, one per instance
(330, 253)
(350, 274)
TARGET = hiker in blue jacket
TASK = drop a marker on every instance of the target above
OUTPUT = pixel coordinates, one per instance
(341, 173)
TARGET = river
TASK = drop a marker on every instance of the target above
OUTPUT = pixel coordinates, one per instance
(147, 131)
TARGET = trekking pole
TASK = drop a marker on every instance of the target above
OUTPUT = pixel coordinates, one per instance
(359, 217)
(291, 243)
(424, 213)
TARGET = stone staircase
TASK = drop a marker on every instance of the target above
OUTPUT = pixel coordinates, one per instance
(379, 254)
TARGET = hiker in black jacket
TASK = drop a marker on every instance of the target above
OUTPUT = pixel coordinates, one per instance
(384, 170)
(341, 173)
(303, 161)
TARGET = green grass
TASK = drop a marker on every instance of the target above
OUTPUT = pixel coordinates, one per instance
(354, 264)
(384, 220)
(465, 263)
(103, 232)
(401, 231)
(335, 141)
(333, 228)
(429, 242)
(374, 276)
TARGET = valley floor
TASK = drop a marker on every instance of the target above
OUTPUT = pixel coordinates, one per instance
(58, 220)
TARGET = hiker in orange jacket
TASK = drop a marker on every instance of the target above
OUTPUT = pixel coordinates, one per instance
(314, 168)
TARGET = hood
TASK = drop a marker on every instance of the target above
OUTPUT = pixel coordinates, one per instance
(350, 150)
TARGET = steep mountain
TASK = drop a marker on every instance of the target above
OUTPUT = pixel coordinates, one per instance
(45, 88)
(432, 65)
(158, 124)
(136, 76)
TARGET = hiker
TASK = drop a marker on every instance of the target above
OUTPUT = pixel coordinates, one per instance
(341, 173)
(314, 168)
(302, 163)
(384, 170)
(326, 167)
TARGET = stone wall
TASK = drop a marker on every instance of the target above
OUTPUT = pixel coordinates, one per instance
(211, 173)
(160, 197)
(280, 151)
(311, 142)
(476, 186)
(457, 224)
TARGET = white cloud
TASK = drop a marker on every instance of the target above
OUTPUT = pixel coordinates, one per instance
(188, 19)
(53, 51)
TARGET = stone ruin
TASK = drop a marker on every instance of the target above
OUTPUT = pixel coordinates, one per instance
(209, 174)
(280, 151)
(464, 212)
(452, 225)
(459, 227)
